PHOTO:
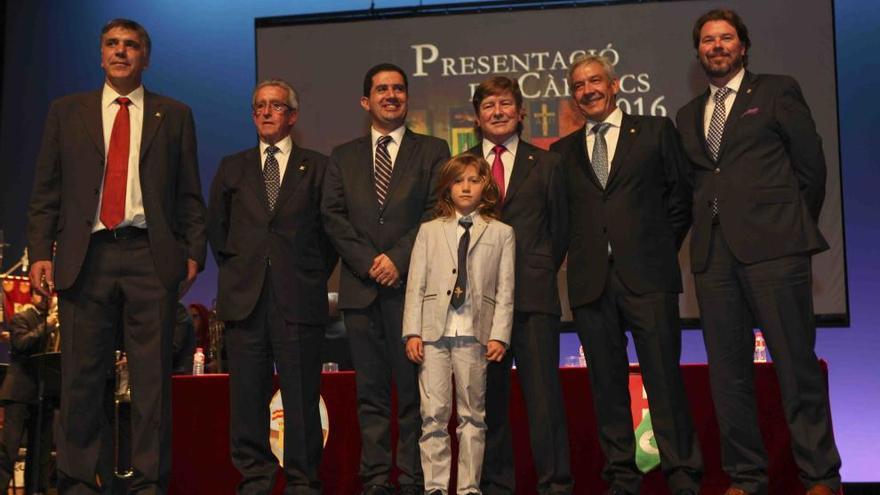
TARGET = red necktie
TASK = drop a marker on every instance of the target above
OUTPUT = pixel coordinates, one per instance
(498, 171)
(116, 173)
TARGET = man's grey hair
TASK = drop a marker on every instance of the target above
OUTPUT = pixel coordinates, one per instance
(591, 59)
(292, 96)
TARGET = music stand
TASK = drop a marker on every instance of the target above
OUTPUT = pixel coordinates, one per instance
(48, 366)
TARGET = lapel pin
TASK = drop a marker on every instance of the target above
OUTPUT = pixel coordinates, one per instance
(158, 114)
(531, 157)
(749, 91)
(632, 130)
(302, 168)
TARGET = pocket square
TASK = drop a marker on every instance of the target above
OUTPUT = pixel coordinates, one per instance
(751, 111)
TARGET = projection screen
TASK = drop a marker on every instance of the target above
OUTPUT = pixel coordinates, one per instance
(447, 50)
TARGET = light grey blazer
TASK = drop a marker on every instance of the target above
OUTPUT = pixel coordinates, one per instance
(432, 277)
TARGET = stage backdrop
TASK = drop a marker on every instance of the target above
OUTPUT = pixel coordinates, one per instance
(447, 51)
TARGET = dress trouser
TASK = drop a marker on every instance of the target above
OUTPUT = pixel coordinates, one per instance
(778, 294)
(258, 346)
(465, 358)
(535, 347)
(117, 290)
(653, 319)
(18, 418)
(378, 354)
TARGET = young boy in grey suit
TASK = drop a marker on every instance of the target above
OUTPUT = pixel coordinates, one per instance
(457, 316)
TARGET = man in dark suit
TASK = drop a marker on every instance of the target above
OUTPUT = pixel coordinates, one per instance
(379, 189)
(627, 223)
(264, 224)
(117, 194)
(759, 185)
(31, 331)
(533, 202)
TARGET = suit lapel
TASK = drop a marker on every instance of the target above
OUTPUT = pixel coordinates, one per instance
(629, 130)
(740, 104)
(449, 231)
(405, 153)
(92, 116)
(253, 171)
(523, 164)
(477, 231)
(366, 178)
(297, 167)
(153, 116)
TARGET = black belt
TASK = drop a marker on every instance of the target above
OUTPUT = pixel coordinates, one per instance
(120, 234)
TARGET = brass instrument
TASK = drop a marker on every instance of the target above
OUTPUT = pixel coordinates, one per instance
(121, 395)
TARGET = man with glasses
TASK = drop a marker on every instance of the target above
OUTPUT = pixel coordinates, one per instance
(264, 226)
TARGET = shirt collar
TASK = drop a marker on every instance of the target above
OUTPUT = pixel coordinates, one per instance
(733, 84)
(284, 146)
(615, 118)
(109, 95)
(396, 135)
(510, 145)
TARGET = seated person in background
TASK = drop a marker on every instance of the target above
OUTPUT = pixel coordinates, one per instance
(30, 333)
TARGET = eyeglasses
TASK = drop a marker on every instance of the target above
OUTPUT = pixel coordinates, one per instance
(275, 106)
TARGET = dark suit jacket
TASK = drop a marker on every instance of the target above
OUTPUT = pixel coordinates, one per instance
(245, 236)
(359, 229)
(770, 175)
(70, 169)
(28, 335)
(535, 206)
(644, 210)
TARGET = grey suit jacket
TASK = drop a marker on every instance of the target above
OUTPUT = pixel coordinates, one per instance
(69, 171)
(432, 274)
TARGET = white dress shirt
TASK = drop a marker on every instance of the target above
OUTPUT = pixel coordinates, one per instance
(285, 147)
(611, 135)
(734, 85)
(460, 322)
(134, 200)
(393, 146)
(507, 157)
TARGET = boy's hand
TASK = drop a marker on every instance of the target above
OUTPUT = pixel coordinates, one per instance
(495, 350)
(414, 349)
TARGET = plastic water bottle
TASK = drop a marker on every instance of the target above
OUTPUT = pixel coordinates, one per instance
(199, 361)
(760, 348)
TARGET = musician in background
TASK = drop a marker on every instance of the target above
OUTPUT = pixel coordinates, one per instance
(32, 330)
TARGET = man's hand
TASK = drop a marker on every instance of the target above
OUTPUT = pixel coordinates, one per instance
(42, 278)
(192, 269)
(384, 272)
(415, 351)
(495, 350)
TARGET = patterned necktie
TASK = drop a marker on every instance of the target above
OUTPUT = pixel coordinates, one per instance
(716, 131)
(272, 176)
(460, 292)
(382, 169)
(116, 172)
(498, 171)
(716, 125)
(600, 152)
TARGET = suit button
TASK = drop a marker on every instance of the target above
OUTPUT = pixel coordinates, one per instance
(453, 271)
(717, 170)
(381, 221)
(448, 292)
(604, 230)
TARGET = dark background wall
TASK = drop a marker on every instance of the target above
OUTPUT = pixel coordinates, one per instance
(203, 54)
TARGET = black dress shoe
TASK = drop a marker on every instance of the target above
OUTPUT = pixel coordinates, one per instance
(411, 490)
(376, 490)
